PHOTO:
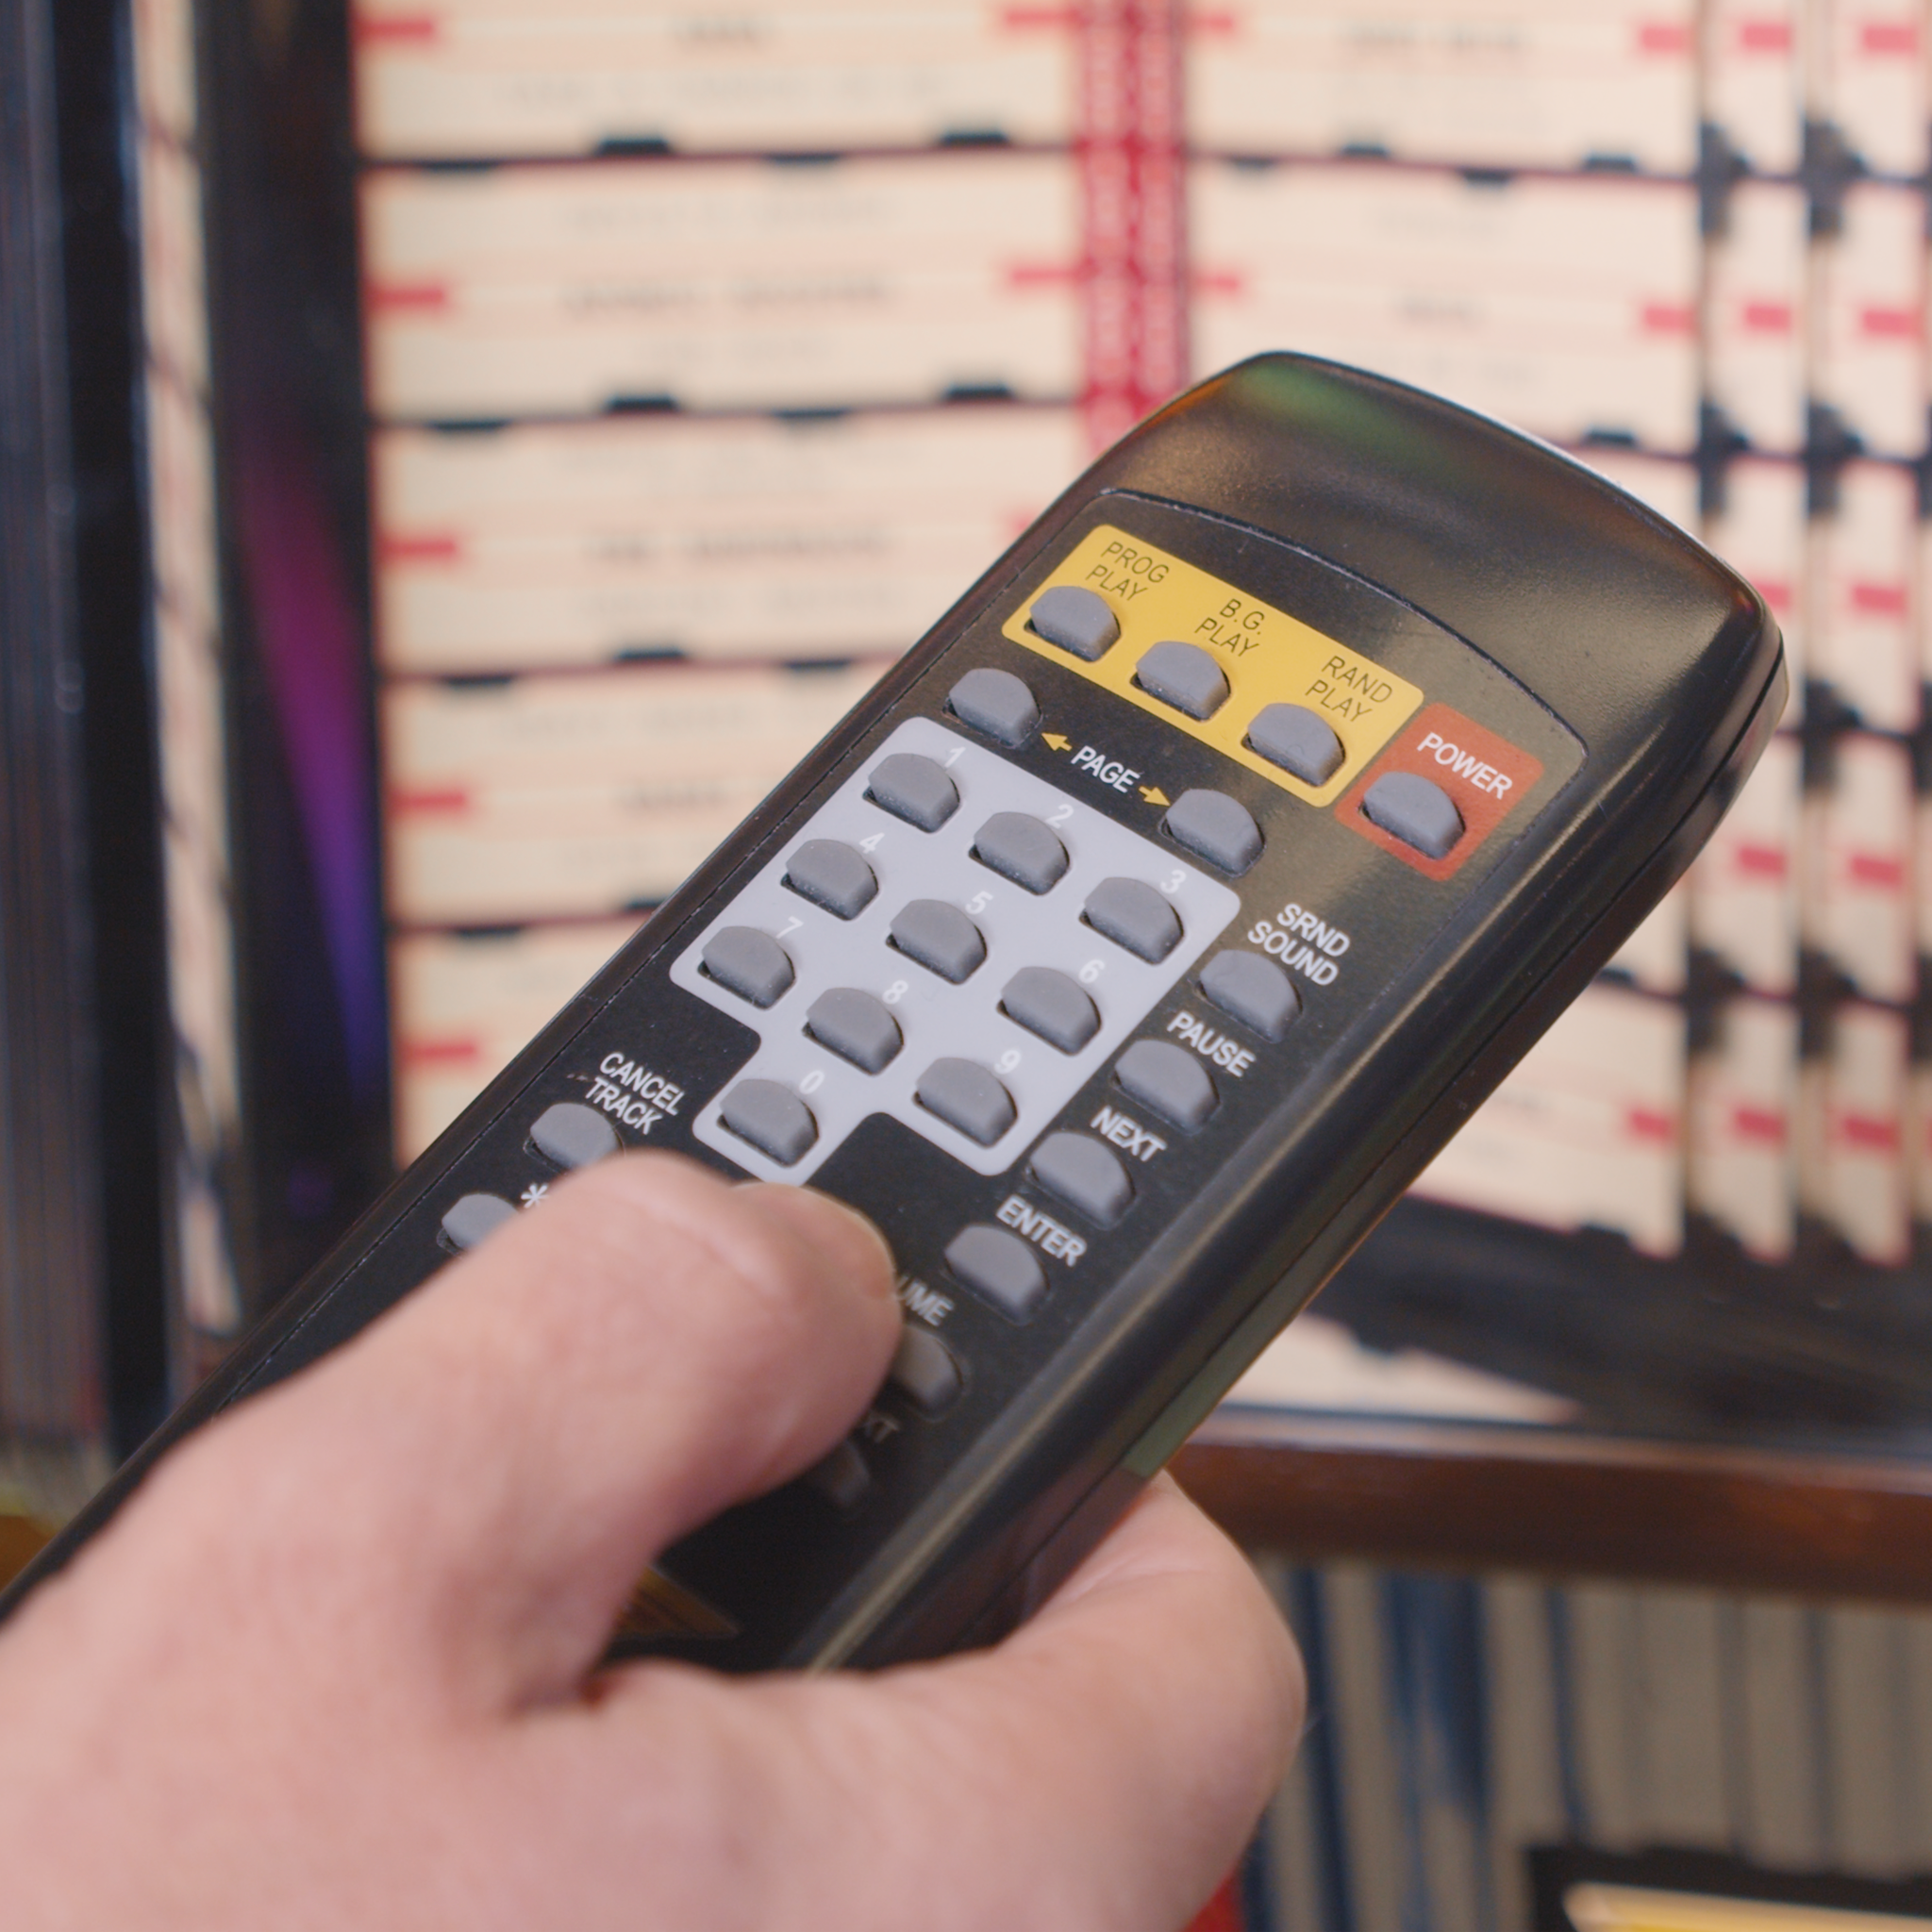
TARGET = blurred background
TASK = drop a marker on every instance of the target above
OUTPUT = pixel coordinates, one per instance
(459, 454)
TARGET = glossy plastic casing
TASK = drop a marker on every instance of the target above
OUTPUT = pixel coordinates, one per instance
(1493, 573)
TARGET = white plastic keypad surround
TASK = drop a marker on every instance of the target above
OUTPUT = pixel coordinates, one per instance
(940, 1019)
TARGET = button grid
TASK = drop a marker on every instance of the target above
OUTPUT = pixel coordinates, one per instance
(938, 1019)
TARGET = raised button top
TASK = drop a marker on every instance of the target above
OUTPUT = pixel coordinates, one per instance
(1301, 742)
(1218, 828)
(857, 1026)
(1076, 620)
(998, 1265)
(996, 703)
(1085, 1174)
(924, 1368)
(1169, 1079)
(474, 1216)
(833, 875)
(1132, 914)
(1023, 848)
(965, 1096)
(1251, 990)
(750, 963)
(572, 1135)
(773, 1118)
(941, 937)
(1416, 811)
(914, 789)
(1185, 676)
(1051, 1004)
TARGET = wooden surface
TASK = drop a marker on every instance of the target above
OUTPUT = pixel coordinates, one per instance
(21, 1538)
(1453, 1498)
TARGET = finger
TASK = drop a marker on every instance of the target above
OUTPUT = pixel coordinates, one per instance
(490, 1467)
(1113, 1756)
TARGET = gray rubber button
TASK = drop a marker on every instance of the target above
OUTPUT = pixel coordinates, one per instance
(771, 1118)
(857, 1027)
(833, 875)
(1185, 676)
(1078, 621)
(1251, 990)
(1051, 1004)
(842, 1477)
(1215, 827)
(473, 1217)
(1169, 1079)
(1085, 1174)
(941, 937)
(1132, 914)
(924, 1368)
(572, 1135)
(1415, 810)
(1022, 848)
(1302, 744)
(914, 789)
(965, 1096)
(996, 703)
(999, 1266)
(750, 963)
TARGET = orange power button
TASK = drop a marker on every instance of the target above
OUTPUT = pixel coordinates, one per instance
(1440, 787)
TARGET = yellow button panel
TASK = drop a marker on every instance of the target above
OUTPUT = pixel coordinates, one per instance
(1267, 657)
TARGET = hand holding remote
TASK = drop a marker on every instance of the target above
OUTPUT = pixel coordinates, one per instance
(336, 1664)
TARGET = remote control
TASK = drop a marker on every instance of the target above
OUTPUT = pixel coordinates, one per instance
(1123, 955)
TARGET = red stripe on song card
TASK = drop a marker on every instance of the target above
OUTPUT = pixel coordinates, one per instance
(444, 798)
(1767, 318)
(420, 549)
(1888, 321)
(1128, 143)
(409, 29)
(1879, 600)
(1874, 869)
(1891, 37)
(441, 1053)
(1669, 318)
(409, 295)
(1758, 1123)
(1868, 1132)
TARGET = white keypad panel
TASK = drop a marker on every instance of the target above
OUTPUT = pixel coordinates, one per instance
(935, 1019)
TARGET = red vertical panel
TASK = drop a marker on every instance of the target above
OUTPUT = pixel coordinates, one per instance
(1133, 267)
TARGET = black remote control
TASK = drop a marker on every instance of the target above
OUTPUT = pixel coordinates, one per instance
(1125, 955)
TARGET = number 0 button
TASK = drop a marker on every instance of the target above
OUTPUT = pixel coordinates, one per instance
(771, 1118)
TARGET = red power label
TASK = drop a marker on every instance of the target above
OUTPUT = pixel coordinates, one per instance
(1484, 775)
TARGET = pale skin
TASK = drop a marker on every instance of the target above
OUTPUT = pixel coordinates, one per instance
(336, 1665)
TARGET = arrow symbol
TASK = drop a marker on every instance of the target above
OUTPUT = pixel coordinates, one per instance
(1053, 738)
(1154, 795)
